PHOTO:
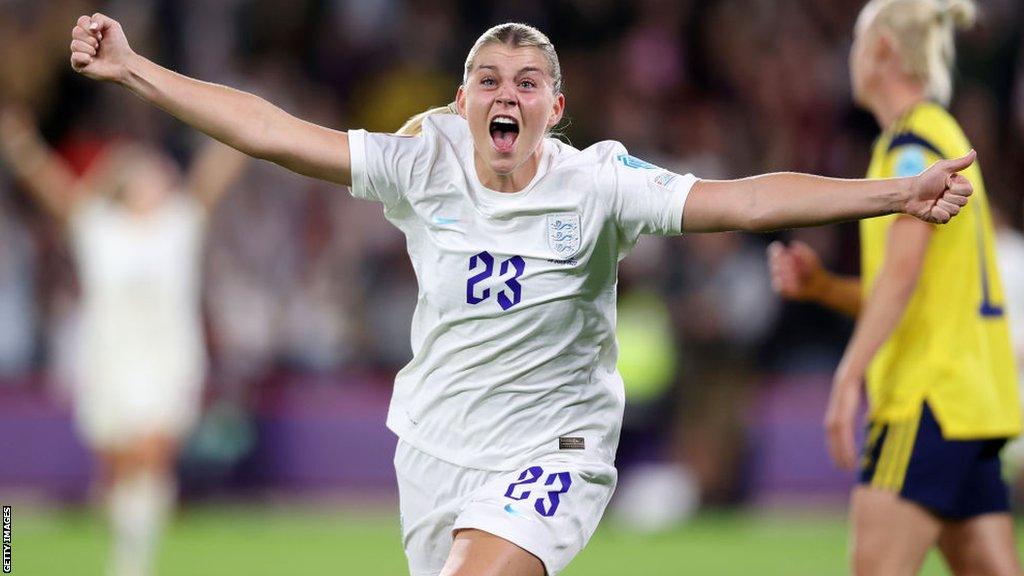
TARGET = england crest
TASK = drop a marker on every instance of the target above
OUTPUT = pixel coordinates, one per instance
(564, 234)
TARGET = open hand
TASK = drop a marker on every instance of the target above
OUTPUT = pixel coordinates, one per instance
(840, 423)
(99, 49)
(938, 193)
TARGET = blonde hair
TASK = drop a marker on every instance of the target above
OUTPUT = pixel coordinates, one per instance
(924, 32)
(413, 126)
(512, 34)
(518, 35)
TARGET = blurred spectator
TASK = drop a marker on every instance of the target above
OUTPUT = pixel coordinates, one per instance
(17, 291)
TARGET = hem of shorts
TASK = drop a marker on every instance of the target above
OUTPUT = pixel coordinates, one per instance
(497, 529)
(952, 516)
(932, 508)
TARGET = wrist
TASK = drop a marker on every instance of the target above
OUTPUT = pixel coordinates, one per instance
(819, 286)
(132, 71)
(904, 195)
(847, 375)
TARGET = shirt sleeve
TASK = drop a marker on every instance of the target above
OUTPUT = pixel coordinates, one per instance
(911, 154)
(646, 199)
(384, 165)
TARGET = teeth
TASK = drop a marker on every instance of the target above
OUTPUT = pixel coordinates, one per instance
(501, 120)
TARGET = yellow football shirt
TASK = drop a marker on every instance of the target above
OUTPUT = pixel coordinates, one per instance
(952, 346)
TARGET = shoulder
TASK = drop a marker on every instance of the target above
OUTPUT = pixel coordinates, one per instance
(450, 128)
(604, 154)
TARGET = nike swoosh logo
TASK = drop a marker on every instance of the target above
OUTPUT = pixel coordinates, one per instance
(511, 510)
(441, 220)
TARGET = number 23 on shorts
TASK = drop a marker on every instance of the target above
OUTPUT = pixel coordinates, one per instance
(556, 484)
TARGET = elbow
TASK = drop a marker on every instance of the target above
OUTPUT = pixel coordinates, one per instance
(255, 136)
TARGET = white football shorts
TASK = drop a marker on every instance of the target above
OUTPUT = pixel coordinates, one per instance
(549, 507)
(111, 417)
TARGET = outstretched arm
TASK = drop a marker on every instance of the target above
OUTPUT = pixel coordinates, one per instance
(48, 178)
(788, 200)
(241, 120)
(215, 168)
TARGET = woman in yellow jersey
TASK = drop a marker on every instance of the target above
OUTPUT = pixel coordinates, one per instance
(931, 339)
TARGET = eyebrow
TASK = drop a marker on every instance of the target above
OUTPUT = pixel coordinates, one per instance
(521, 70)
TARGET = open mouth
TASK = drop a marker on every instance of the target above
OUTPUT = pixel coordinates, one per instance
(504, 131)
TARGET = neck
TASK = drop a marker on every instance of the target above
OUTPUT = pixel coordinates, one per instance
(514, 181)
(894, 102)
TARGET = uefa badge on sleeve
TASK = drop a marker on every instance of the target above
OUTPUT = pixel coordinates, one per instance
(564, 234)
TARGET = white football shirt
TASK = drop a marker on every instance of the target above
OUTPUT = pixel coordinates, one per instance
(513, 337)
(140, 278)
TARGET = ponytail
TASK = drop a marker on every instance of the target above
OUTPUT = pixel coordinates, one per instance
(413, 126)
(924, 32)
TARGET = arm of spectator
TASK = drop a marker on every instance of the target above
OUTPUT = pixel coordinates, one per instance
(905, 253)
(790, 200)
(797, 274)
(45, 174)
(213, 171)
(100, 50)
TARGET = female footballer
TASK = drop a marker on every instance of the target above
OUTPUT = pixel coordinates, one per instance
(140, 358)
(509, 412)
(931, 338)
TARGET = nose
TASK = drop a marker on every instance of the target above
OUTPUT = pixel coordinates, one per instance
(506, 97)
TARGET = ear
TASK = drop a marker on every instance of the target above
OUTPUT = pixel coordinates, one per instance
(885, 48)
(460, 101)
(557, 109)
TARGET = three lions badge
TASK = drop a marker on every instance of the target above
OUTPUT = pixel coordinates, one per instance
(564, 234)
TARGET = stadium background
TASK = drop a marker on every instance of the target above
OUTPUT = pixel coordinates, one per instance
(308, 294)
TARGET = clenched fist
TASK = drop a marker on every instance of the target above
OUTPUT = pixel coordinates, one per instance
(99, 49)
(938, 193)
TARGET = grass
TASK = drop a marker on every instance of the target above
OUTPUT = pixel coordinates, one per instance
(298, 541)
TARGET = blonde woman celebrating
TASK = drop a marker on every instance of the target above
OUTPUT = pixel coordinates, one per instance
(931, 336)
(509, 412)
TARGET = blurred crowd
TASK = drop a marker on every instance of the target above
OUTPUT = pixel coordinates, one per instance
(301, 277)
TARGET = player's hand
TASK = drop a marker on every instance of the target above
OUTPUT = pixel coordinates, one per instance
(99, 49)
(797, 273)
(841, 421)
(938, 193)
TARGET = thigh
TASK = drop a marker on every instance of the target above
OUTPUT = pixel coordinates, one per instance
(478, 553)
(981, 546)
(891, 536)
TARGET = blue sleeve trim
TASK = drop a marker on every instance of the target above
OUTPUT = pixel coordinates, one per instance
(911, 139)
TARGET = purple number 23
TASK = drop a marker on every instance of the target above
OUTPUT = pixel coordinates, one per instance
(545, 506)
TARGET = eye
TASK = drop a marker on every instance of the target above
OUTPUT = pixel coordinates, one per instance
(527, 84)
(487, 81)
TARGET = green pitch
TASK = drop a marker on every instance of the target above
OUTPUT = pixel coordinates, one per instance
(298, 541)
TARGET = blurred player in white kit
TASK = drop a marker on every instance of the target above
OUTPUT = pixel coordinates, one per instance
(141, 359)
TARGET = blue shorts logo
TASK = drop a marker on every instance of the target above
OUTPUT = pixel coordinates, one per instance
(634, 162)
